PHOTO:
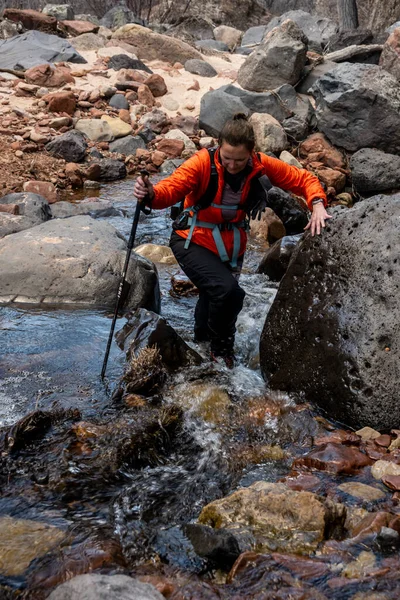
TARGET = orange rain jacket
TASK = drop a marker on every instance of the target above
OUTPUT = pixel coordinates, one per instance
(191, 179)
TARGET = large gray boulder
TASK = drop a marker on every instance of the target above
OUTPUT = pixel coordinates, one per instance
(127, 145)
(280, 59)
(374, 171)
(318, 30)
(253, 36)
(33, 209)
(35, 48)
(216, 107)
(332, 335)
(94, 586)
(76, 261)
(71, 146)
(358, 106)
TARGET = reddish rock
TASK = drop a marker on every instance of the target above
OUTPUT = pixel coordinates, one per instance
(74, 175)
(131, 75)
(392, 482)
(143, 154)
(302, 482)
(125, 115)
(195, 86)
(172, 148)
(305, 568)
(12, 209)
(43, 188)
(332, 178)
(374, 522)
(75, 28)
(339, 436)
(383, 440)
(31, 19)
(61, 102)
(93, 172)
(390, 57)
(328, 155)
(145, 96)
(158, 158)
(48, 76)
(334, 458)
(156, 85)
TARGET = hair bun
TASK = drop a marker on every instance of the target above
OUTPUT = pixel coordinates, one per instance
(240, 117)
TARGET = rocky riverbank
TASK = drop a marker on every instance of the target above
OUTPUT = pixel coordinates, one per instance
(191, 481)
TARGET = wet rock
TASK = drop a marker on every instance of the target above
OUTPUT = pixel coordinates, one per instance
(269, 134)
(334, 458)
(274, 517)
(362, 491)
(119, 101)
(157, 253)
(35, 48)
(80, 262)
(276, 259)
(392, 482)
(107, 169)
(127, 145)
(260, 72)
(356, 376)
(181, 286)
(210, 402)
(155, 46)
(96, 130)
(338, 436)
(32, 210)
(367, 433)
(21, 541)
(70, 146)
(104, 587)
(383, 468)
(218, 546)
(373, 523)
(200, 67)
(146, 329)
(374, 171)
(373, 94)
(42, 188)
(361, 567)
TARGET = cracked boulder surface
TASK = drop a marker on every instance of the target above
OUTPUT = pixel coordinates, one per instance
(332, 335)
(76, 262)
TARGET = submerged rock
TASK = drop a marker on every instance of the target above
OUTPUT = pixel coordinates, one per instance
(94, 586)
(276, 259)
(21, 541)
(271, 516)
(146, 329)
(32, 209)
(337, 338)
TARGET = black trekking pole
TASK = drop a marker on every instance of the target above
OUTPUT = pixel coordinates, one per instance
(131, 241)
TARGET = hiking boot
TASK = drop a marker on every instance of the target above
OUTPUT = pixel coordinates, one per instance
(228, 359)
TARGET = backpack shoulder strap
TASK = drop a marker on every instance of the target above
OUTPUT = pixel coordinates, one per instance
(208, 197)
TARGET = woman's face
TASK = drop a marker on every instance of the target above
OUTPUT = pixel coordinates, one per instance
(234, 158)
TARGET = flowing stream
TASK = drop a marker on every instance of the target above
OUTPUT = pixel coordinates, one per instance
(127, 499)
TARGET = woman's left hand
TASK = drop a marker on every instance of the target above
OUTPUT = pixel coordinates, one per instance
(318, 218)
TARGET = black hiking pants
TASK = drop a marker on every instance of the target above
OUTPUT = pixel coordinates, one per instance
(221, 297)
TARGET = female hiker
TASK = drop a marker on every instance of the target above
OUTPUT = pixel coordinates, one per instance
(222, 189)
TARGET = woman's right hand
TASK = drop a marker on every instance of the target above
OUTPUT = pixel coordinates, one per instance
(143, 188)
